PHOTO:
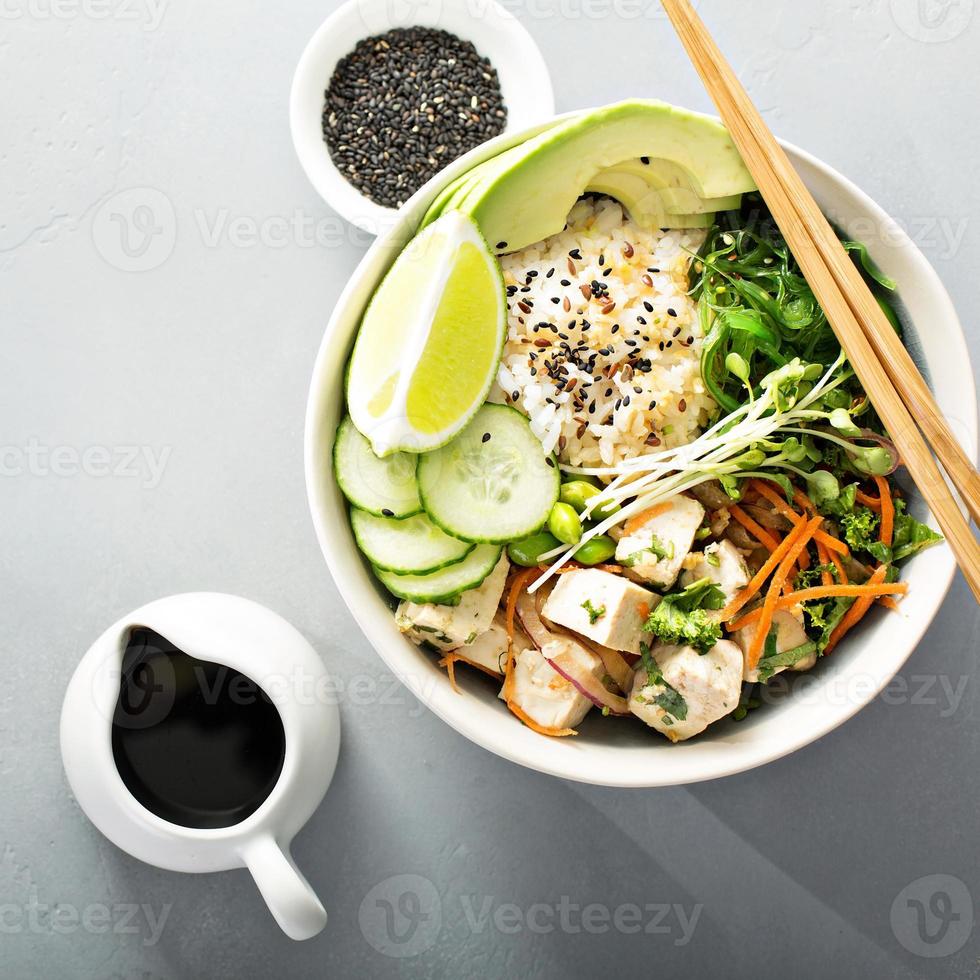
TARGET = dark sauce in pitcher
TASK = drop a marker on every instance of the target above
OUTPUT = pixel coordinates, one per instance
(197, 743)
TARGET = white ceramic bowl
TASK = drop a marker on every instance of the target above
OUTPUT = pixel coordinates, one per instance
(618, 752)
(524, 81)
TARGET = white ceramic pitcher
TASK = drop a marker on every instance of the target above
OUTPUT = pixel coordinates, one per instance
(250, 639)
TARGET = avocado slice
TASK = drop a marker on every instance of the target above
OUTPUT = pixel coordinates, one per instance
(528, 197)
(644, 203)
(678, 189)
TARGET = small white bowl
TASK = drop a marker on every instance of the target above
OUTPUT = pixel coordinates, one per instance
(497, 35)
(621, 753)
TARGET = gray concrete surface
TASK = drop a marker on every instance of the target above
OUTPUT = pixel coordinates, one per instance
(197, 354)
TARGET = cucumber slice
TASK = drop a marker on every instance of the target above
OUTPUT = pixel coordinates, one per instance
(382, 487)
(493, 483)
(443, 587)
(413, 546)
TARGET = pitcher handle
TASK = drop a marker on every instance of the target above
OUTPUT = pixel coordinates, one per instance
(291, 900)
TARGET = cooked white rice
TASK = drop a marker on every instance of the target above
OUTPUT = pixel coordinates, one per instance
(603, 377)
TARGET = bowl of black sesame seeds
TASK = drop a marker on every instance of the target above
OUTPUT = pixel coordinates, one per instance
(388, 93)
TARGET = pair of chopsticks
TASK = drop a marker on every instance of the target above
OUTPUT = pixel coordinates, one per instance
(878, 356)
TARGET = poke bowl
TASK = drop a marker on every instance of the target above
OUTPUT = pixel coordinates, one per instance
(775, 704)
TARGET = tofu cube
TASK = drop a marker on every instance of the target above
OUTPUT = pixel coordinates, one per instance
(789, 635)
(604, 607)
(489, 650)
(543, 694)
(654, 550)
(449, 627)
(722, 564)
(704, 688)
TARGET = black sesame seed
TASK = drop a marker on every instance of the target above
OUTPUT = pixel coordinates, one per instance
(550, 461)
(501, 245)
(486, 437)
(387, 513)
(671, 311)
(404, 104)
(645, 161)
(575, 254)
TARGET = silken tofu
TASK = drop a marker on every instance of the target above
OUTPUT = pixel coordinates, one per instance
(449, 627)
(722, 564)
(604, 607)
(701, 688)
(790, 634)
(654, 550)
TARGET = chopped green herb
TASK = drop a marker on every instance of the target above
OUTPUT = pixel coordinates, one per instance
(594, 614)
(771, 660)
(670, 699)
(682, 617)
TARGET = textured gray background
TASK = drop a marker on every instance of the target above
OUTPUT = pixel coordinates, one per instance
(203, 361)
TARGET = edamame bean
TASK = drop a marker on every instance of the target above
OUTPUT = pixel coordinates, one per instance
(529, 551)
(564, 523)
(578, 493)
(596, 551)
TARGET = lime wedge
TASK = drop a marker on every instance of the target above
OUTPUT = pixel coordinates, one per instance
(430, 341)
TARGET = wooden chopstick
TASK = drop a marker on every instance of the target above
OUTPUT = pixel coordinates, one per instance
(808, 234)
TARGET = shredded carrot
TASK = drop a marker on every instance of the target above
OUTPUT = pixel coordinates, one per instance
(776, 498)
(540, 729)
(643, 608)
(856, 612)
(647, 515)
(449, 662)
(803, 501)
(873, 502)
(839, 566)
(824, 556)
(879, 591)
(754, 528)
(803, 534)
(760, 576)
(517, 587)
(452, 658)
(887, 511)
(889, 603)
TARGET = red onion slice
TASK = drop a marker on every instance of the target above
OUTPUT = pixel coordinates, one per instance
(587, 684)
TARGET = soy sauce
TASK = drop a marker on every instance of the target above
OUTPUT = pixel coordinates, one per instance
(197, 743)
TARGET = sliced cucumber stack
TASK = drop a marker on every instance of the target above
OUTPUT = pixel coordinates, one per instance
(443, 587)
(493, 483)
(383, 487)
(410, 546)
